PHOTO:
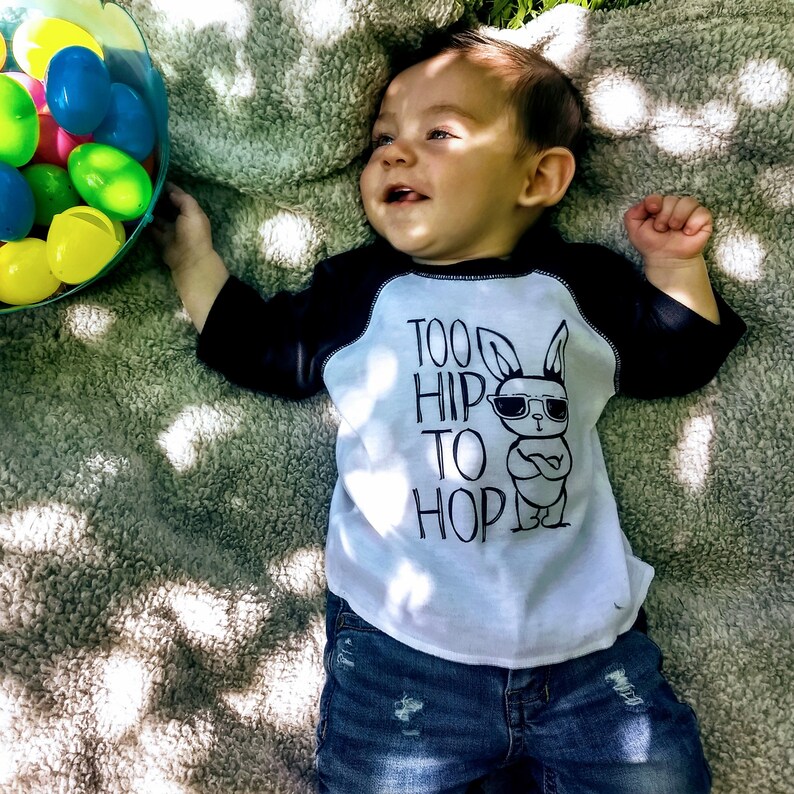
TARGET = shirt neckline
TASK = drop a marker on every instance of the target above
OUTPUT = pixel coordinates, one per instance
(535, 246)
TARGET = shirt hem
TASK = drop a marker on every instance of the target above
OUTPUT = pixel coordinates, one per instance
(510, 663)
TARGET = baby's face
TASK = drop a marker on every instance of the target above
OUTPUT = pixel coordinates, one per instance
(443, 179)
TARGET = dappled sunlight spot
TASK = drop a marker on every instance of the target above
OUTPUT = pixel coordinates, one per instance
(140, 619)
(234, 16)
(358, 403)
(324, 22)
(409, 589)
(382, 368)
(330, 416)
(681, 537)
(97, 472)
(741, 255)
(193, 429)
(13, 705)
(88, 323)
(285, 688)
(301, 573)
(13, 612)
(384, 494)
(692, 455)
(287, 237)
(220, 623)
(182, 315)
(776, 186)
(617, 103)
(35, 744)
(167, 750)
(123, 689)
(345, 430)
(764, 84)
(159, 780)
(231, 85)
(561, 36)
(51, 528)
(9, 771)
(705, 131)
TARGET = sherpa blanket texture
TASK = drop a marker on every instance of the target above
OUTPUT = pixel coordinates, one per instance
(161, 531)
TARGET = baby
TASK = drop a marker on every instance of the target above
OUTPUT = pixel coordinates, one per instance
(484, 606)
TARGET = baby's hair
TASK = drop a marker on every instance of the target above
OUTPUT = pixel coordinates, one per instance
(548, 107)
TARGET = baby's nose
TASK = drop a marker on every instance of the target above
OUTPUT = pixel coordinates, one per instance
(397, 153)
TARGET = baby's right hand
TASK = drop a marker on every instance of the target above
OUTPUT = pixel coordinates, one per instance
(184, 235)
(186, 242)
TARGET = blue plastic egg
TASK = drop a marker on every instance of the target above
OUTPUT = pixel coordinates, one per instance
(17, 206)
(78, 89)
(128, 124)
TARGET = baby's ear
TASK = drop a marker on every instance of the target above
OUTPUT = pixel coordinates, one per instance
(549, 173)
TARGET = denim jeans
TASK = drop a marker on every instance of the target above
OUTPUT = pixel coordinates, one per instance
(394, 720)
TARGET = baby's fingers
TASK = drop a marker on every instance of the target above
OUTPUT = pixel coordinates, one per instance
(670, 213)
(643, 209)
(681, 213)
(700, 220)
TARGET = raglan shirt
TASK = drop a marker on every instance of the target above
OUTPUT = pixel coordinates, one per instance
(472, 517)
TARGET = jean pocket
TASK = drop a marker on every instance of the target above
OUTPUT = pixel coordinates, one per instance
(350, 620)
(345, 617)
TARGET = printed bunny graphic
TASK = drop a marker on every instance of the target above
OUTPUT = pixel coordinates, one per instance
(534, 408)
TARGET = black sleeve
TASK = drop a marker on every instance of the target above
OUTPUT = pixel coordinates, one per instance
(663, 348)
(279, 345)
(272, 345)
(672, 350)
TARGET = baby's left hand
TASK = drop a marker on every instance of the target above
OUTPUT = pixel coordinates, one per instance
(668, 229)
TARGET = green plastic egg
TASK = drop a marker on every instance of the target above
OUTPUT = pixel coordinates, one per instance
(52, 189)
(110, 180)
(19, 123)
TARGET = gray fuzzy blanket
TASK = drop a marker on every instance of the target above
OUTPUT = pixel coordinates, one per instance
(161, 531)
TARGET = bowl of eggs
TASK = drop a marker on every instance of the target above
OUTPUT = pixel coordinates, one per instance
(83, 145)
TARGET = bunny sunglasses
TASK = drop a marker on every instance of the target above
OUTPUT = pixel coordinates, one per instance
(518, 406)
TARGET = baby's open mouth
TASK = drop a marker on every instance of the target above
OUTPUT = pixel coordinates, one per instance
(403, 195)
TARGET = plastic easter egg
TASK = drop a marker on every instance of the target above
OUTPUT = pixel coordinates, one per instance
(81, 241)
(149, 165)
(19, 123)
(78, 89)
(34, 87)
(128, 124)
(38, 40)
(53, 191)
(110, 180)
(3, 52)
(17, 206)
(25, 275)
(120, 232)
(55, 143)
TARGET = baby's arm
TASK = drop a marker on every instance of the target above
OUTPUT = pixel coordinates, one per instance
(198, 271)
(671, 232)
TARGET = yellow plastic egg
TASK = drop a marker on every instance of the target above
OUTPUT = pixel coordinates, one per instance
(25, 275)
(80, 242)
(37, 40)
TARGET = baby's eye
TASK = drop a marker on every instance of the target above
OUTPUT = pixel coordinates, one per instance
(381, 140)
(440, 135)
